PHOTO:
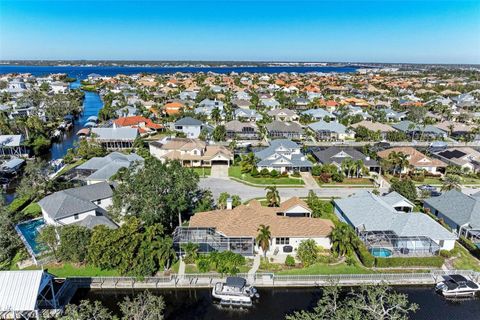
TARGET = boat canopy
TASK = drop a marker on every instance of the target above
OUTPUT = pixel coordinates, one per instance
(92, 119)
(236, 282)
(90, 124)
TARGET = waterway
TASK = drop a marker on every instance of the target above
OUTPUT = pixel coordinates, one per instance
(274, 304)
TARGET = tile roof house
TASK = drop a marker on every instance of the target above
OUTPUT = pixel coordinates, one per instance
(144, 125)
(284, 156)
(84, 206)
(289, 225)
(190, 152)
(101, 169)
(283, 115)
(320, 114)
(336, 155)
(416, 159)
(330, 130)
(384, 129)
(247, 115)
(388, 223)
(458, 210)
(463, 157)
(287, 130)
(242, 130)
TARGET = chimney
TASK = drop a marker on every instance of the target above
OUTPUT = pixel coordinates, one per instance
(229, 203)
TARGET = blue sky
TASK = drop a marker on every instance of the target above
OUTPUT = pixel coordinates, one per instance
(366, 31)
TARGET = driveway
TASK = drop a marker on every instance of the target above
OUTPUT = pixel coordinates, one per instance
(219, 171)
(246, 192)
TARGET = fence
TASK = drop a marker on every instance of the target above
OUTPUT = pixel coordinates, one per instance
(208, 280)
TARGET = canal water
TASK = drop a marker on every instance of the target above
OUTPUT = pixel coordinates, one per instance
(184, 304)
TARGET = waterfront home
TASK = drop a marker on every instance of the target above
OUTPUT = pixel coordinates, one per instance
(394, 116)
(463, 157)
(282, 155)
(337, 155)
(283, 115)
(102, 169)
(191, 152)
(455, 129)
(236, 229)
(459, 211)
(242, 130)
(86, 206)
(416, 131)
(190, 127)
(320, 114)
(144, 125)
(128, 111)
(384, 129)
(13, 145)
(247, 115)
(327, 131)
(284, 130)
(417, 161)
(388, 227)
(115, 138)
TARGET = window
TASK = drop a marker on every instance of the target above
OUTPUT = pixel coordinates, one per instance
(75, 216)
(282, 240)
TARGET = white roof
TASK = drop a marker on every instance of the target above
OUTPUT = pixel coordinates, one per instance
(10, 140)
(19, 289)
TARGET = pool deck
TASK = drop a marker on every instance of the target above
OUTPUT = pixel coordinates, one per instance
(24, 239)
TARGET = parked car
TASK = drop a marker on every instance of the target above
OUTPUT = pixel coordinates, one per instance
(427, 187)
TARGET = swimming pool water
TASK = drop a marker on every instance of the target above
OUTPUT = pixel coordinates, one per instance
(381, 252)
(30, 230)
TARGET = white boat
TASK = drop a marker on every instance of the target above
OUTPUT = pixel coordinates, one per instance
(456, 285)
(234, 292)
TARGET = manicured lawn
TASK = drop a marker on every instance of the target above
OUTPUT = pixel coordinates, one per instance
(203, 172)
(70, 166)
(33, 210)
(349, 181)
(469, 181)
(236, 172)
(320, 268)
(68, 269)
(465, 261)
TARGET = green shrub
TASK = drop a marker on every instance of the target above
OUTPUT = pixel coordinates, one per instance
(203, 264)
(470, 246)
(364, 255)
(296, 174)
(274, 174)
(290, 261)
(264, 172)
(445, 253)
(436, 261)
(254, 173)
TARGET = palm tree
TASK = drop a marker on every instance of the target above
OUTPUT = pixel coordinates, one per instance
(263, 238)
(191, 252)
(249, 161)
(343, 239)
(451, 182)
(402, 162)
(165, 252)
(273, 197)
(216, 115)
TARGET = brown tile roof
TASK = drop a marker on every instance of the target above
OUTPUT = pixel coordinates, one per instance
(415, 157)
(244, 220)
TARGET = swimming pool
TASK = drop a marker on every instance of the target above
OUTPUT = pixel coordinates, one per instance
(28, 231)
(381, 252)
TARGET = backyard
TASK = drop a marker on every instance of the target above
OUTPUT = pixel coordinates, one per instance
(236, 173)
(68, 269)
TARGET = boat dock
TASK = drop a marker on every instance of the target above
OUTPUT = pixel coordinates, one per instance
(208, 280)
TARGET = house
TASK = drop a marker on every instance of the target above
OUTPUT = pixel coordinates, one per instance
(59, 87)
(459, 211)
(283, 156)
(101, 169)
(128, 111)
(191, 152)
(394, 116)
(270, 103)
(247, 115)
(242, 104)
(384, 129)
(320, 114)
(115, 138)
(86, 206)
(336, 155)
(465, 158)
(243, 95)
(301, 103)
(242, 130)
(188, 95)
(236, 229)
(283, 115)
(388, 227)
(190, 127)
(286, 130)
(417, 160)
(173, 108)
(455, 129)
(144, 125)
(13, 145)
(416, 131)
(330, 130)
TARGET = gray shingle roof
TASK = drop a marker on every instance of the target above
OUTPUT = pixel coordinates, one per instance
(72, 201)
(404, 126)
(188, 121)
(334, 154)
(124, 133)
(280, 126)
(92, 221)
(458, 207)
(331, 126)
(106, 167)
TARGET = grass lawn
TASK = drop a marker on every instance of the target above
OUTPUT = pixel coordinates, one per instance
(33, 210)
(70, 166)
(68, 269)
(466, 261)
(348, 181)
(192, 268)
(320, 268)
(236, 172)
(203, 172)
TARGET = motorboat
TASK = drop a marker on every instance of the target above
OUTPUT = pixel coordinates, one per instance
(456, 285)
(234, 292)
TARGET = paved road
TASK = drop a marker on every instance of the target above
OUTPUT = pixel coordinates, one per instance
(246, 192)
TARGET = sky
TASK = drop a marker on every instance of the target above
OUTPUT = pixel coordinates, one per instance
(348, 31)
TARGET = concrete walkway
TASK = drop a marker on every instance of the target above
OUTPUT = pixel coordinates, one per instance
(254, 269)
(181, 270)
(310, 182)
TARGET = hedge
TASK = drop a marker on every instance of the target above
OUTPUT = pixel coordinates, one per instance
(471, 247)
(364, 255)
(436, 261)
(18, 204)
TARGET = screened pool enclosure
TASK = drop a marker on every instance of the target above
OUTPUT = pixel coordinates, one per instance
(399, 246)
(210, 240)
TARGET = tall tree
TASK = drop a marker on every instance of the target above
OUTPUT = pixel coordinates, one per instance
(273, 197)
(145, 306)
(263, 238)
(343, 239)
